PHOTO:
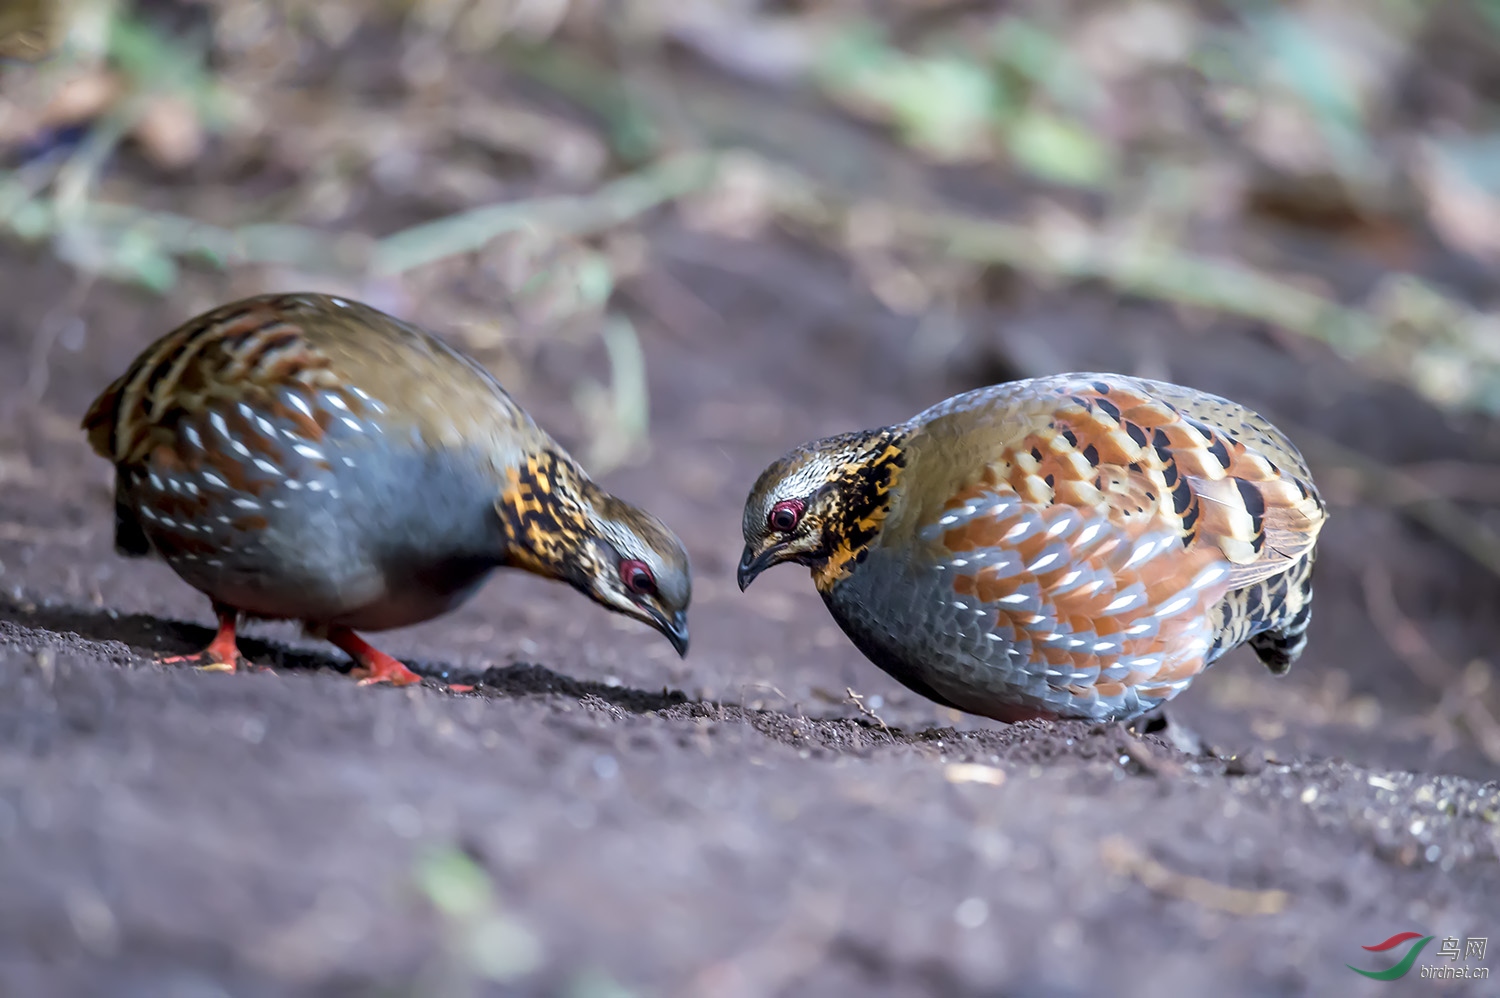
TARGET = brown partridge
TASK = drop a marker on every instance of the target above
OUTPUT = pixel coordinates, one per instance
(1073, 546)
(310, 458)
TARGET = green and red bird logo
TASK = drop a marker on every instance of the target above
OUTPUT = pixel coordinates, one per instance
(1399, 970)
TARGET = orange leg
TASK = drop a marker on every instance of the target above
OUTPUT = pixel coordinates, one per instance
(222, 653)
(374, 666)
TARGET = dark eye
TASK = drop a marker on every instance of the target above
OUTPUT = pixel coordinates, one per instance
(637, 577)
(784, 515)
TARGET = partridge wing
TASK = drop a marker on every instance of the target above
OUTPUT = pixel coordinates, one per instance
(1094, 527)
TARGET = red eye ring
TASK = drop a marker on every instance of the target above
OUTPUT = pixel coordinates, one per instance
(637, 577)
(785, 516)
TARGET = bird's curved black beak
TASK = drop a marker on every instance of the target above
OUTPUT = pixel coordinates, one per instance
(752, 564)
(675, 628)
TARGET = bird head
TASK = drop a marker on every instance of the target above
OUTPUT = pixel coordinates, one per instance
(821, 505)
(638, 567)
(564, 527)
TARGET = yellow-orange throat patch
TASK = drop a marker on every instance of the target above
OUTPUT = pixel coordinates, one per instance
(862, 500)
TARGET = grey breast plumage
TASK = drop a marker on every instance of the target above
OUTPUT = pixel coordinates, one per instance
(1083, 546)
(310, 457)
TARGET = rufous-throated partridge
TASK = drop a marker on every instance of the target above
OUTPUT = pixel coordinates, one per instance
(1077, 546)
(307, 457)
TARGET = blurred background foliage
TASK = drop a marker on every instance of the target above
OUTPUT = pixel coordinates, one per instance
(1205, 155)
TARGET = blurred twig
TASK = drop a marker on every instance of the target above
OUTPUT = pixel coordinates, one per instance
(618, 416)
(117, 226)
(78, 174)
(1401, 331)
(1151, 271)
(1125, 857)
(171, 235)
(634, 132)
(1079, 251)
(1406, 328)
(605, 208)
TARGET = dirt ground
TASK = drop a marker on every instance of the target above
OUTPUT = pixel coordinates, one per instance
(599, 819)
(729, 824)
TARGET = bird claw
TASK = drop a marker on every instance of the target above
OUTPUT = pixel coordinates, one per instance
(404, 678)
(371, 664)
(222, 653)
(204, 662)
(385, 669)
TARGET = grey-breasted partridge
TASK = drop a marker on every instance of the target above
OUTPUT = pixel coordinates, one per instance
(310, 458)
(1073, 546)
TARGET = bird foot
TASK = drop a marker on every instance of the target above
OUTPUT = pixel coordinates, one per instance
(382, 668)
(222, 653)
(372, 664)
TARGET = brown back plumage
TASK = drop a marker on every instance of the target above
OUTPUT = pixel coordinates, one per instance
(1148, 455)
(1081, 544)
(252, 350)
